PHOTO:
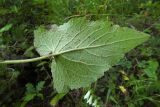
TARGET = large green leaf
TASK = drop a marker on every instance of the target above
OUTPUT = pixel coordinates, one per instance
(84, 50)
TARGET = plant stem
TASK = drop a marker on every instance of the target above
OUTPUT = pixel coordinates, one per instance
(25, 60)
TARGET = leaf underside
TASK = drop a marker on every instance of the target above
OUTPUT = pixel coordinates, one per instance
(84, 50)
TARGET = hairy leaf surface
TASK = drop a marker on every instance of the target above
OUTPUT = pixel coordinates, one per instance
(83, 50)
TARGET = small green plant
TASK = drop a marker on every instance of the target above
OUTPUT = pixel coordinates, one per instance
(81, 51)
(150, 68)
(32, 92)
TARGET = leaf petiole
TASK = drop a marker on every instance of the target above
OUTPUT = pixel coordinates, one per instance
(26, 60)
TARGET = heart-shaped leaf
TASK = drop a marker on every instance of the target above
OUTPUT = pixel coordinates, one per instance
(83, 50)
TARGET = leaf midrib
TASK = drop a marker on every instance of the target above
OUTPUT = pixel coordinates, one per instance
(90, 47)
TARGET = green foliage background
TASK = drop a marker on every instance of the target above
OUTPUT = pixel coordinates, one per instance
(140, 76)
